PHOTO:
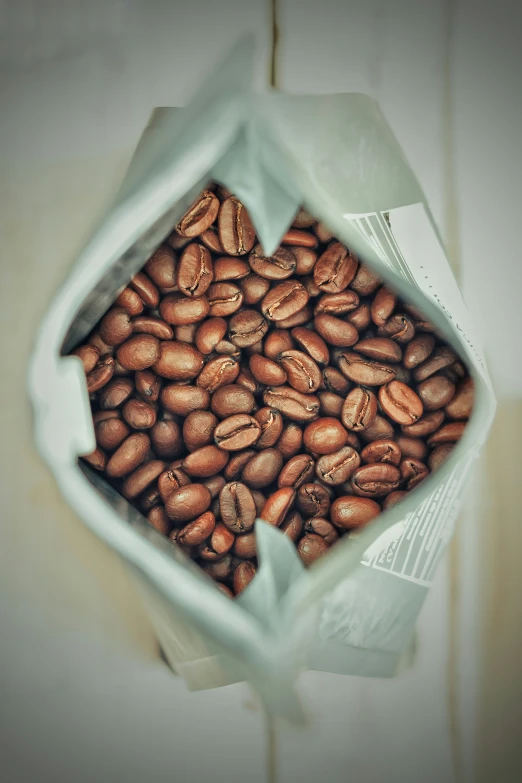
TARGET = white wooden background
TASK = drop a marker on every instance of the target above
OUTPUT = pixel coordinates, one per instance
(82, 691)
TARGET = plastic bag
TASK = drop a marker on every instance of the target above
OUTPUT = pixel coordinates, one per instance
(354, 611)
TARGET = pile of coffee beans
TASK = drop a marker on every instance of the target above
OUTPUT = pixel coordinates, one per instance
(228, 385)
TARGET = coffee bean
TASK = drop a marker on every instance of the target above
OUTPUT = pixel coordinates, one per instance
(313, 500)
(382, 306)
(277, 505)
(220, 543)
(360, 318)
(351, 512)
(89, 355)
(330, 404)
(335, 381)
(303, 219)
(279, 266)
(413, 471)
(166, 439)
(335, 269)
(230, 268)
(384, 450)
(186, 333)
(262, 469)
(292, 526)
(182, 400)
(247, 328)
(209, 334)
(116, 326)
(141, 478)
(231, 399)
(439, 360)
(436, 392)
(197, 531)
(439, 455)
(131, 301)
(335, 331)
(321, 527)
(399, 328)
(243, 575)
(302, 316)
(170, 481)
(220, 569)
(179, 310)
(418, 350)
(101, 374)
(195, 272)
(115, 393)
(245, 545)
(205, 462)
(337, 304)
(322, 233)
(237, 507)
(312, 344)
(188, 502)
(425, 425)
(411, 447)
(110, 433)
(266, 371)
(200, 216)
(365, 281)
(311, 547)
(215, 484)
(220, 371)
(247, 380)
(290, 440)
(148, 385)
(146, 289)
(177, 361)
(236, 233)
(159, 520)
(379, 429)
(277, 341)
(461, 405)
(324, 436)
(224, 299)
(298, 238)
(237, 462)
(302, 372)
(237, 432)
(359, 409)
(449, 433)
(129, 455)
(254, 288)
(336, 467)
(210, 239)
(161, 267)
(139, 414)
(375, 480)
(365, 371)
(380, 348)
(400, 403)
(298, 470)
(393, 498)
(284, 300)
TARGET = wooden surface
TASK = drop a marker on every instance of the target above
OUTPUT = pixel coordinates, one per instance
(84, 693)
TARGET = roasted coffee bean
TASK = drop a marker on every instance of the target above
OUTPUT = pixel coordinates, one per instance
(365, 371)
(438, 455)
(215, 484)
(410, 447)
(330, 404)
(425, 425)
(360, 318)
(305, 260)
(399, 328)
(237, 432)
(210, 239)
(170, 481)
(166, 439)
(381, 348)
(161, 267)
(385, 450)
(337, 304)
(226, 348)
(266, 371)
(311, 547)
(382, 306)
(243, 575)
(254, 288)
(230, 268)
(148, 384)
(312, 344)
(146, 289)
(138, 481)
(400, 403)
(182, 400)
(375, 480)
(220, 371)
(115, 393)
(209, 334)
(418, 350)
(350, 512)
(188, 502)
(302, 316)
(277, 341)
(292, 526)
(195, 272)
(379, 429)
(177, 361)
(245, 545)
(271, 423)
(116, 326)
(220, 543)
(291, 403)
(279, 266)
(140, 415)
(101, 374)
(186, 333)
(461, 405)
(284, 300)
(359, 409)
(200, 216)
(321, 527)
(298, 470)
(303, 219)
(198, 429)
(237, 507)
(259, 500)
(448, 433)
(220, 569)
(205, 462)
(335, 269)
(231, 399)
(335, 331)
(110, 433)
(438, 360)
(290, 440)
(180, 310)
(277, 506)
(323, 233)
(197, 531)
(131, 301)
(324, 436)
(159, 520)
(247, 380)
(436, 392)
(413, 471)
(335, 381)
(247, 328)
(224, 299)
(129, 455)
(393, 498)
(336, 467)
(365, 281)
(299, 238)
(236, 233)
(262, 469)
(302, 372)
(89, 355)
(313, 500)
(97, 459)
